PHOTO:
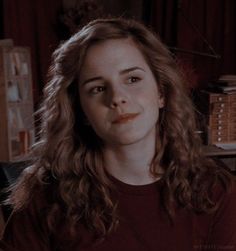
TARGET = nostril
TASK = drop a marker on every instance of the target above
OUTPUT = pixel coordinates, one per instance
(117, 103)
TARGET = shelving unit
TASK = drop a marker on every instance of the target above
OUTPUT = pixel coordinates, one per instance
(228, 157)
(219, 116)
(16, 102)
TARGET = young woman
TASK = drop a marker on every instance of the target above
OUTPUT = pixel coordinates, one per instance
(119, 165)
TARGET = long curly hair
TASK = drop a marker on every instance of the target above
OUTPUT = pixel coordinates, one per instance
(69, 153)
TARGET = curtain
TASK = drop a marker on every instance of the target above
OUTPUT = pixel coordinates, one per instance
(163, 18)
(34, 24)
(202, 28)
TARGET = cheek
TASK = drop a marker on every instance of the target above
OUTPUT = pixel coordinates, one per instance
(152, 105)
(155, 98)
(151, 97)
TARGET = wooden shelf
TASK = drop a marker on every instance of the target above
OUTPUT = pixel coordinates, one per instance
(212, 151)
(17, 132)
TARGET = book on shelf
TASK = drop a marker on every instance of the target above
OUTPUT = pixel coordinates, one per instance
(224, 84)
(24, 137)
(228, 77)
(17, 131)
(6, 42)
(221, 89)
(19, 67)
(15, 120)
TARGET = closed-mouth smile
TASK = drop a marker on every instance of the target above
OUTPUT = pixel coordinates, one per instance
(124, 118)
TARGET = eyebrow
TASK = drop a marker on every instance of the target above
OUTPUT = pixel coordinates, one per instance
(131, 69)
(121, 72)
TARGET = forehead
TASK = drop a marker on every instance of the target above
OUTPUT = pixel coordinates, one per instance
(109, 52)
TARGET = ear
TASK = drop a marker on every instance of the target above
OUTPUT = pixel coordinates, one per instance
(161, 101)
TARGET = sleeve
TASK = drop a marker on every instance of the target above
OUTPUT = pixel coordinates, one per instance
(26, 230)
(223, 227)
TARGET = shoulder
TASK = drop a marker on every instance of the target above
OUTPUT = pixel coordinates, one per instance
(217, 229)
(217, 185)
(27, 228)
(222, 232)
(41, 197)
(32, 216)
(221, 189)
(227, 201)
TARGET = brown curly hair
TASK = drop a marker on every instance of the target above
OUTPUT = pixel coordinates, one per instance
(69, 153)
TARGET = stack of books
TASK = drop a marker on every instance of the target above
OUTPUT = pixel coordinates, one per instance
(224, 84)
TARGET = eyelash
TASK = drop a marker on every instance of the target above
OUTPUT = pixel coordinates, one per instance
(133, 78)
(95, 90)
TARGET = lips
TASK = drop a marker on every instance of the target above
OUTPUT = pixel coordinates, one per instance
(124, 118)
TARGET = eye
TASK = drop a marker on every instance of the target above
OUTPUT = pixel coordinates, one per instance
(97, 89)
(132, 80)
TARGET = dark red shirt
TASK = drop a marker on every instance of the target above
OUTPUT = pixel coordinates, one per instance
(143, 226)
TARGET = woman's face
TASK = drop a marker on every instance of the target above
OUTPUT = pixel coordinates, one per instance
(118, 93)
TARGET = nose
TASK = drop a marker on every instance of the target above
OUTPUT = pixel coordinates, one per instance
(118, 97)
(117, 103)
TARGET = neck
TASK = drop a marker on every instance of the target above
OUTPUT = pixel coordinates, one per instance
(131, 163)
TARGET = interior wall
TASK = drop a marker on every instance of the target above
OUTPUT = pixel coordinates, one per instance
(33, 24)
(36, 24)
(203, 33)
(211, 33)
(1, 19)
(128, 8)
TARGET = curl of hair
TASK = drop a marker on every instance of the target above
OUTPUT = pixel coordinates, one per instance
(71, 154)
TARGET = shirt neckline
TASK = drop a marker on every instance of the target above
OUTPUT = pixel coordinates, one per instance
(126, 188)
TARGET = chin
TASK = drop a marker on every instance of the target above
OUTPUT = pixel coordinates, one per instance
(129, 139)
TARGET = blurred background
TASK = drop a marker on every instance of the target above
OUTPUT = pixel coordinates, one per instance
(201, 33)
